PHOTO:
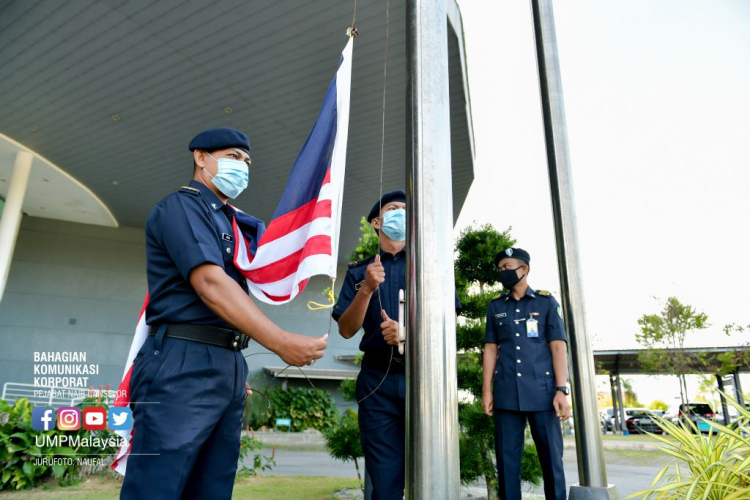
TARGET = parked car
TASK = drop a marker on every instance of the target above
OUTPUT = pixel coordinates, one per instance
(606, 419)
(639, 420)
(700, 414)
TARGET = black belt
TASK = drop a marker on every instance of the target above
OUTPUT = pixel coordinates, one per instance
(381, 362)
(212, 335)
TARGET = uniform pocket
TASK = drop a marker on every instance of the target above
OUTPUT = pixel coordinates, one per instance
(544, 373)
(504, 333)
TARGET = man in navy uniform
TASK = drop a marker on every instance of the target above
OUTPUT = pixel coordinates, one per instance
(188, 379)
(525, 355)
(381, 384)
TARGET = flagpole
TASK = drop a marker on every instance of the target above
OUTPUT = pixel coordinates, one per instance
(592, 472)
(432, 469)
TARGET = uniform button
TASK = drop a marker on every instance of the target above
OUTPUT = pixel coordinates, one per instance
(156, 353)
(518, 348)
(518, 360)
(518, 310)
(546, 373)
(516, 322)
(518, 335)
(229, 250)
(518, 374)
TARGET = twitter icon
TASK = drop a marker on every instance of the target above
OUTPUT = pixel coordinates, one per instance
(120, 419)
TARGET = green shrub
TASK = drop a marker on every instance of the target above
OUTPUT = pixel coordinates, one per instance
(307, 408)
(257, 412)
(19, 449)
(342, 440)
(712, 467)
(249, 444)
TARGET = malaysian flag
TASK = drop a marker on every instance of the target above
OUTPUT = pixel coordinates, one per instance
(303, 237)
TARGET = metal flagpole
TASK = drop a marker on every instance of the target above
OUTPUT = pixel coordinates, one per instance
(431, 395)
(592, 473)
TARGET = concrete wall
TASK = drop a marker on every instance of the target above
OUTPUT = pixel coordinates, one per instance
(77, 287)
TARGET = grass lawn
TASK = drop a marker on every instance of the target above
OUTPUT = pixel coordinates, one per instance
(105, 487)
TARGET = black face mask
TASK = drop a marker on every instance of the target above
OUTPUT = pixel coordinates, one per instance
(509, 277)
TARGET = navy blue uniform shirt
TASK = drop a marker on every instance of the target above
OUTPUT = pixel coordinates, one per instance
(524, 379)
(395, 280)
(186, 229)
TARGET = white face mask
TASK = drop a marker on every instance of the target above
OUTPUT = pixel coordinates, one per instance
(232, 177)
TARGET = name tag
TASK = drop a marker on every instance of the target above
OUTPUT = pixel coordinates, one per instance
(501, 315)
(226, 237)
(532, 328)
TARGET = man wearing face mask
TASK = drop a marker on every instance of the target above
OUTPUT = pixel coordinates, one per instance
(525, 358)
(188, 381)
(381, 384)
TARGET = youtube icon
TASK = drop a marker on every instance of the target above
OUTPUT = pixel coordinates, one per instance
(94, 418)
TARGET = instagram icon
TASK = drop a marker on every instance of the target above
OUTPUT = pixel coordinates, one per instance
(68, 419)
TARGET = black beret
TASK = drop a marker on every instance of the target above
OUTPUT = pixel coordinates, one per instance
(398, 195)
(220, 138)
(515, 253)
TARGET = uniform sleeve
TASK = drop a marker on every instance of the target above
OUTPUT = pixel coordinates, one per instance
(490, 332)
(459, 307)
(186, 232)
(346, 295)
(555, 325)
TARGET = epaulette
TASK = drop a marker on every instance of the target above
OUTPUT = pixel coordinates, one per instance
(543, 293)
(359, 262)
(190, 190)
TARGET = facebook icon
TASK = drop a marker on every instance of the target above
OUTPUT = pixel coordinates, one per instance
(43, 418)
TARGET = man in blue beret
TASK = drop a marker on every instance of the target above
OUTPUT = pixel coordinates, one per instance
(369, 300)
(525, 359)
(188, 381)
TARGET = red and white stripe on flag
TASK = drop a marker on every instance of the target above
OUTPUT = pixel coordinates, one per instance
(302, 239)
(119, 464)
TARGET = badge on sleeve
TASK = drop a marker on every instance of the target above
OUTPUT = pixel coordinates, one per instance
(532, 328)
(559, 312)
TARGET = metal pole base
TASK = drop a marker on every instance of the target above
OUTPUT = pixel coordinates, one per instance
(578, 492)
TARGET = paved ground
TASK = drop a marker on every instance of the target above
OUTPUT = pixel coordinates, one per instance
(629, 473)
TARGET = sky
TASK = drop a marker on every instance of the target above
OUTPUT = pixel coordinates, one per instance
(658, 120)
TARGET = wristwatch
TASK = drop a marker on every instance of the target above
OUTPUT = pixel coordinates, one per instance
(564, 389)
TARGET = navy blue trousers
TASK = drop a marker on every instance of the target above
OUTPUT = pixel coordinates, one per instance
(510, 427)
(382, 430)
(187, 400)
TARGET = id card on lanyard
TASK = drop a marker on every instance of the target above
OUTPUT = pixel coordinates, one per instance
(532, 328)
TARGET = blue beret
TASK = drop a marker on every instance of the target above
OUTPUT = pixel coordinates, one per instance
(398, 195)
(515, 253)
(220, 138)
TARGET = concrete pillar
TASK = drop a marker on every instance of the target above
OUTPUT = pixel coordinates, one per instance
(11, 217)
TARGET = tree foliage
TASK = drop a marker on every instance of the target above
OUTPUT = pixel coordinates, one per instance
(368, 243)
(476, 248)
(663, 336)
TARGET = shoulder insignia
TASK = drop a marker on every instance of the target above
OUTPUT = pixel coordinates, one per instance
(498, 296)
(543, 293)
(359, 262)
(190, 190)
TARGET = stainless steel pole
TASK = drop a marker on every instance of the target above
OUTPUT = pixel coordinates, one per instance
(592, 473)
(431, 393)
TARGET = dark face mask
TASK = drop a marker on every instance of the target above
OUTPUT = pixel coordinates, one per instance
(509, 277)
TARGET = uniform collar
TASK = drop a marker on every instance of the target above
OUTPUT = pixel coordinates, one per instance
(213, 200)
(388, 255)
(530, 292)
